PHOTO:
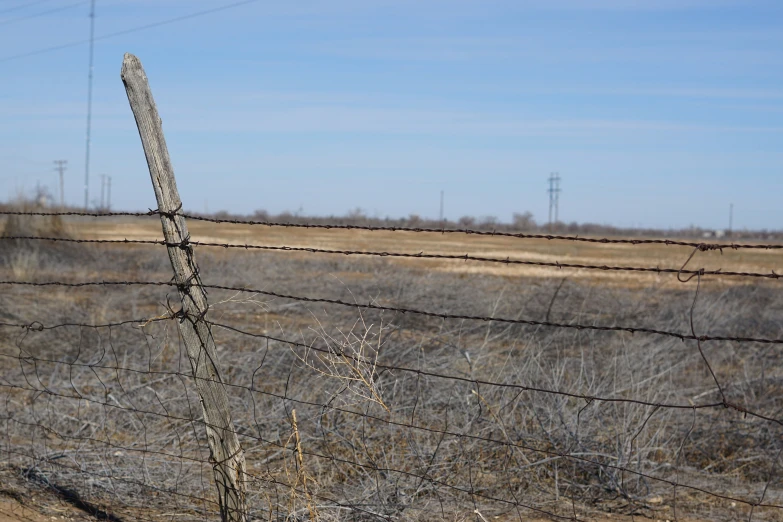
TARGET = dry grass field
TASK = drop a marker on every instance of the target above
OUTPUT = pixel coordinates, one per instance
(438, 419)
(664, 256)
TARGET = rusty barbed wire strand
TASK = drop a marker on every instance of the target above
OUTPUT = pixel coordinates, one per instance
(413, 311)
(79, 213)
(587, 398)
(519, 235)
(420, 255)
(506, 320)
(37, 327)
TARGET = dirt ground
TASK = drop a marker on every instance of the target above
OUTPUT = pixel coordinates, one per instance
(14, 511)
(37, 508)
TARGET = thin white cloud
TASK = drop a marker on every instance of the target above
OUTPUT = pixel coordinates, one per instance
(629, 5)
(645, 49)
(351, 119)
(301, 115)
(677, 92)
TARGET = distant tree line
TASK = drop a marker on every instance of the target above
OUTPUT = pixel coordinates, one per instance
(520, 222)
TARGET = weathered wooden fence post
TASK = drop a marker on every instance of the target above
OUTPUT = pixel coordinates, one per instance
(228, 459)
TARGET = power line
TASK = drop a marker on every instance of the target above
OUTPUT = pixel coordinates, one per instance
(554, 197)
(42, 13)
(128, 31)
(731, 217)
(23, 6)
(89, 110)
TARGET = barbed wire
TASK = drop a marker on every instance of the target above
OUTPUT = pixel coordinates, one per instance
(38, 327)
(77, 213)
(520, 387)
(413, 311)
(703, 246)
(419, 255)
(518, 235)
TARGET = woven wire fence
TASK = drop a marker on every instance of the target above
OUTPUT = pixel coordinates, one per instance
(364, 388)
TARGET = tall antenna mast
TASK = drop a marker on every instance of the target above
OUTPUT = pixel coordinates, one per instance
(89, 110)
(554, 197)
(61, 166)
(731, 217)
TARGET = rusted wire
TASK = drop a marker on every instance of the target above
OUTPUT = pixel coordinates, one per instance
(424, 313)
(419, 255)
(470, 232)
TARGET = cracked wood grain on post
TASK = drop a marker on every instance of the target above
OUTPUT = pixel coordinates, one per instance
(227, 456)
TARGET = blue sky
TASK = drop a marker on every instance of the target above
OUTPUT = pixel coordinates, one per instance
(654, 112)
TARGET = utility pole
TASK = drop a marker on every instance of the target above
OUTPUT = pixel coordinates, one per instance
(441, 206)
(554, 197)
(60, 167)
(103, 191)
(108, 195)
(89, 110)
(731, 216)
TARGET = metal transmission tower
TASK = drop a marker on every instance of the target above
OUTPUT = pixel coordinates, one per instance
(554, 197)
(89, 110)
(731, 217)
(60, 167)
